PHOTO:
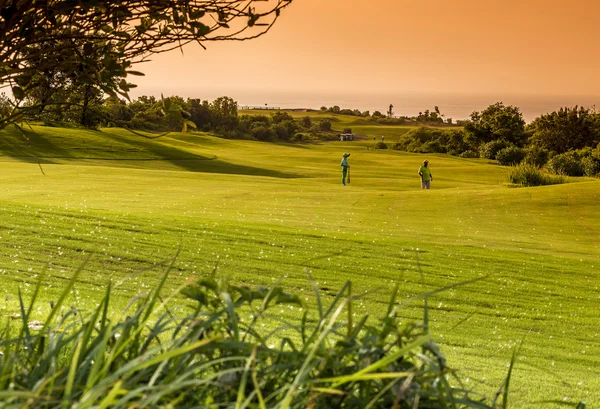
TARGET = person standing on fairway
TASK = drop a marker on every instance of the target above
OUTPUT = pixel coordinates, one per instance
(426, 177)
(345, 166)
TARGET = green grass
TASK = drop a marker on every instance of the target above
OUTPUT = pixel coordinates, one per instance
(359, 125)
(264, 212)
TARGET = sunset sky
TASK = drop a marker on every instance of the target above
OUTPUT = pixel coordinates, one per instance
(334, 47)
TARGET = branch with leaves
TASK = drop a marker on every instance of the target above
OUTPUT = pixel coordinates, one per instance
(97, 42)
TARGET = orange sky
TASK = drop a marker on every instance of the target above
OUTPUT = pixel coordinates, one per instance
(533, 47)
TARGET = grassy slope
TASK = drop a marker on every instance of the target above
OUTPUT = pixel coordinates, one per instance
(262, 211)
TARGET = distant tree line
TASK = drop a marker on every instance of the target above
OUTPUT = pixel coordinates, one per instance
(425, 117)
(149, 113)
(566, 141)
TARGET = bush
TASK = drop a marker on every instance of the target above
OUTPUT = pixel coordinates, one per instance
(536, 156)
(325, 125)
(380, 145)
(530, 175)
(262, 133)
(591, 166)
(306, 122)
(490, 150)
(432, 140)
(510, 156)
(433, 147)
(215, 354)
(568, 164)
(469, 154)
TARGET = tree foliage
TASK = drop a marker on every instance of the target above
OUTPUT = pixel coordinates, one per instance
(566, 129)
(497, 121)
(45, 44)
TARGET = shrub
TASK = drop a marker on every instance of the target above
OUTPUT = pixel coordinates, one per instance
(380, 145)
(568, 164)
(433, 147)
(325, 125)
(471, 154)
(280, 116)
(432, 140)
(281, 131)
(262, 133)
(490, 150)
(536, 156)
(530, 175)
(216, 354)
(591, 166)
(512, 155)
(306, 122)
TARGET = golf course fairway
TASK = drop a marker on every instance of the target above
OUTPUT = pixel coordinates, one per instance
(526, 259)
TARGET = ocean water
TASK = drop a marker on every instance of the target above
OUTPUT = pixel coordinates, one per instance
(455, 106)
(452, 105)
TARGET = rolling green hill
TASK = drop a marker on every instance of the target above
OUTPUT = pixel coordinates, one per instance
(265, 212)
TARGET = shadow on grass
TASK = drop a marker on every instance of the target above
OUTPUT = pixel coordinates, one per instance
(41, 149)
(31, 147)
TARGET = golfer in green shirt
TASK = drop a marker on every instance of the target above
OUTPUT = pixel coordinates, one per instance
(426, 177)
(345, 166)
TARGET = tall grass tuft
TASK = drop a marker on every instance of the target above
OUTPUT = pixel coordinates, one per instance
(216, 354)
(529, 175)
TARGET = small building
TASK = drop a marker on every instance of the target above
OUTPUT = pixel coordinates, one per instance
(346, 137)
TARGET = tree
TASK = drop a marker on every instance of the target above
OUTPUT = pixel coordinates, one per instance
(377, 115)
(117, 113)
(390, 111)
(496, 122)
(567, 129)
(5, 105)
(200, 113)
(96, 42)
(325, 125)
(280, 116)
(224, 113)
(306, 122)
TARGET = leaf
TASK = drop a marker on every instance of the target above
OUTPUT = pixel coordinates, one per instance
(18, 92)
(201, 29)
(197, 14)
(138, 73)
(23, 80)
(196, 293)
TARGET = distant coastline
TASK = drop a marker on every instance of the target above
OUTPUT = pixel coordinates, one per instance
(455, 106)
(452, 106)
